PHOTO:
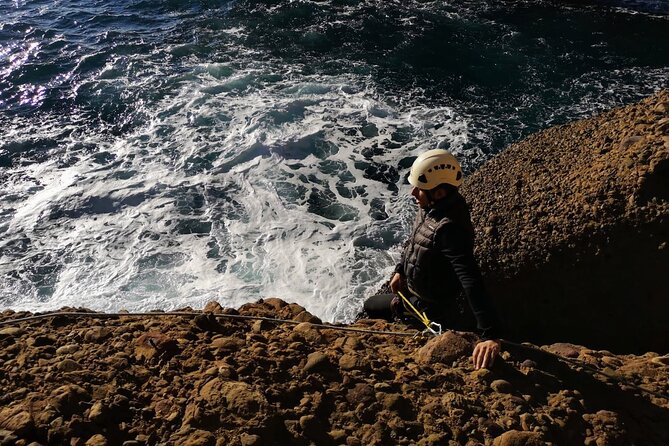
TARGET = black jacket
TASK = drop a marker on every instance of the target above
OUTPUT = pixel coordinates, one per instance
(438, 263)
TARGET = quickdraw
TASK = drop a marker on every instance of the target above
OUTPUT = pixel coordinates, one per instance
(430, 327)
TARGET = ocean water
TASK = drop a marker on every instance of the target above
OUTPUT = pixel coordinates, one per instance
(164, 153)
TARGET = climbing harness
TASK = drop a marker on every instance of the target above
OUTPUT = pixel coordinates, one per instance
(430, 327)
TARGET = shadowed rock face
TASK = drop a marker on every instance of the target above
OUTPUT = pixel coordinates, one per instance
(572, 230)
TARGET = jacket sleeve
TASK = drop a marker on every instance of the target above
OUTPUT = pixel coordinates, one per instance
(456, 245)
(399, 268)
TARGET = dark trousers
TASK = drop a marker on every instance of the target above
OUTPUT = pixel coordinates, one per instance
(451, 316)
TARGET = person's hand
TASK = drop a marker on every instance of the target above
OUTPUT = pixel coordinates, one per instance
(396, 306)
(485, 353)
(397, 283)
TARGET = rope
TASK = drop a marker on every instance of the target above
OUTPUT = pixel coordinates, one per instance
(422, 317)
(194, 314)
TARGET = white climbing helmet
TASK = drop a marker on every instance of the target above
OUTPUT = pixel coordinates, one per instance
(433, 168)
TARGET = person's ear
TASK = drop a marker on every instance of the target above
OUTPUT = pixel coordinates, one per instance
(438, 193)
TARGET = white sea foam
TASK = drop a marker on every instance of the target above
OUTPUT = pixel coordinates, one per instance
(245, 184)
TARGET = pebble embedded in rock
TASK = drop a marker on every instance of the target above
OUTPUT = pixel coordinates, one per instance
(97, 334)
(213, 307)
(483, 375)
(68, 349)
(68, 365)
(16, 419)
(317, 362)
(501, 386)
(96, 440)
(250, 440)
(518, 438)
(11, 332)
(97, 412)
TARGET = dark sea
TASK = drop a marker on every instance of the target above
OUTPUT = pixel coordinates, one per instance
(156, 154)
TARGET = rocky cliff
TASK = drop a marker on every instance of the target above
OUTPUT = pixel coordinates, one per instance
(208, 381)
(573, 230)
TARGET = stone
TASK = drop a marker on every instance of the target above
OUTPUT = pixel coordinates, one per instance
(309, 332)
(305, 316)
(97, 412)
(68, 365)
(351, 361)
(67, 399)
(565, 349)
(228, 343)
(194, 437)
(213, 307)
(528, 364)
(444, 349)
(483, 375)
(337, 435)
(154, 344)
(518, 438)
(42, 341)
(97, 334)
(317, 362)
(397, 403)
(97, 440)
(501, 386)
(662, 108)
(250, 440)
(275, 303)
(7, 437)
(11, 332)
(663, 126)
(261, 326)
(433, 440)
(68, 349)
(660, 360)
(527, 421)
(236, 396)
(360, 393)
(311, 426)
(16, 419)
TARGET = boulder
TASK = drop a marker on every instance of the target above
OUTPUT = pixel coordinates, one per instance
(444, 349)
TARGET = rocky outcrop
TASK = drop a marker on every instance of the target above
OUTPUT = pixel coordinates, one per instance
(207, 380)
(573, 230)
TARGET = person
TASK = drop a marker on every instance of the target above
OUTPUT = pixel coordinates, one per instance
(438, 263)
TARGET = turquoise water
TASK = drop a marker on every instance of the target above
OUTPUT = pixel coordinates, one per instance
(156, 154)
